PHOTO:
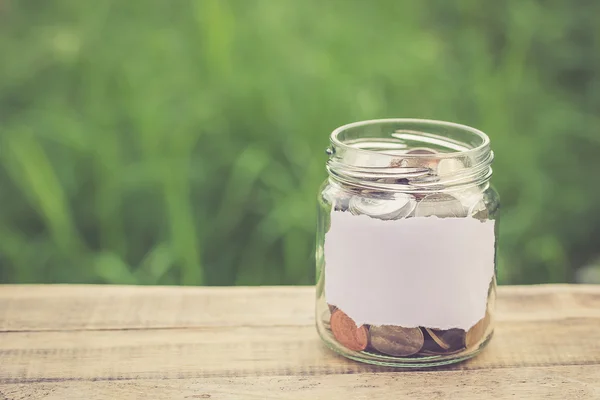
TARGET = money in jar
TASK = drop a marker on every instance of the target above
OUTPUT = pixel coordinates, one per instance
(406, 243)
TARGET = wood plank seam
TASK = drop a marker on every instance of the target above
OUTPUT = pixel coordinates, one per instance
(537, 383)
(278, 372)
(155, 328)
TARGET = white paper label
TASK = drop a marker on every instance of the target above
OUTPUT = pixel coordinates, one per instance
(425, 271)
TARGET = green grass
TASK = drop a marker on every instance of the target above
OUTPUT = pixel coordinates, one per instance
(182, 142)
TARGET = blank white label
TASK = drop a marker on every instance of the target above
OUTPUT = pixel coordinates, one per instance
(425, 271)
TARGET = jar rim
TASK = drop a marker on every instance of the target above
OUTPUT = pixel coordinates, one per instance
(485, 140)
(374, 156)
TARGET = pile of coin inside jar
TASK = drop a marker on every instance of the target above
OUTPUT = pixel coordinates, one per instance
(392, 206)
(398, 341)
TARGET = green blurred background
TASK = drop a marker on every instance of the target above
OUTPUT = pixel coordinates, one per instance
(182, 142)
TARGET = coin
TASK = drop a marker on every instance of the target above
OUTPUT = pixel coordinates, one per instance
(440, 342)
(347, 333)
(400, 206)
(341, 204)
(428, 162)
(448, 339)
(399, 163)
(440, 204)
(471, 197)
(396, 340)
(448, 166)
(415, 162)
(477, 331)
(479, 210)
(438, 353)
(338, 198)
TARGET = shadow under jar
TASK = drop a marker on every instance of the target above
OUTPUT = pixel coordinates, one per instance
(406, 243)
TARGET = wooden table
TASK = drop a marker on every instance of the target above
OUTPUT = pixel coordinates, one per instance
(122, 342)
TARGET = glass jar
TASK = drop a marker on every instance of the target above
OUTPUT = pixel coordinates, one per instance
(406, 243)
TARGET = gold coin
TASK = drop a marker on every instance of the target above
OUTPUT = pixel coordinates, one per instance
(347, 333)
(396, 340)
(477, 331)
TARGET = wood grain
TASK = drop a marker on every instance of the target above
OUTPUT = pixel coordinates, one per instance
(564, 382)
(81, 307)
(127, 342)
(85, 307)
(258, 351)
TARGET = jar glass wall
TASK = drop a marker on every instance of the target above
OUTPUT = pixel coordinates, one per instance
(406, 243)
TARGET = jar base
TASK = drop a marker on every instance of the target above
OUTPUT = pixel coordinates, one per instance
(403, 362)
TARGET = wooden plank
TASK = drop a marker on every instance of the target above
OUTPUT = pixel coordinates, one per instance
(86, 307)
(260, 351)
(559, 382)
(166, 342)
(82, 307)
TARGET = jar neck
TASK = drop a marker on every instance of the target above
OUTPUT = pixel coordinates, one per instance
(413, 156)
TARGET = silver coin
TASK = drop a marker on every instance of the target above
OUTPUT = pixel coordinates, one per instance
(415, 162)
(448, 166)
(400, 206)
(339, 199)
(472, 199)
(479, 211)
(440, 204)
(396, 340)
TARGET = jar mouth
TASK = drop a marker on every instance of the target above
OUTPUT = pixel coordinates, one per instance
(411, 155)
(460, 149)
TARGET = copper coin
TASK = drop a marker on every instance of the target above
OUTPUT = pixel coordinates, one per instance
(347, 333)
(477, 331)
(396, 340)
(448, 339)
(426, 162)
